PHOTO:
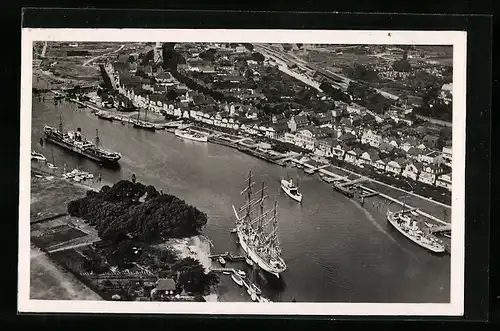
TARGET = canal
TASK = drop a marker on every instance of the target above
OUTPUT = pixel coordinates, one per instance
(336, 251)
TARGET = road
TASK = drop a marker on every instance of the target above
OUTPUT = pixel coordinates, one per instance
(86, 63)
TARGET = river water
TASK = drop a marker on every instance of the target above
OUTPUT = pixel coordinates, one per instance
(335, 250)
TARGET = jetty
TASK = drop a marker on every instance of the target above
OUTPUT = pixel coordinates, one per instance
(228, 256)
(385, 196)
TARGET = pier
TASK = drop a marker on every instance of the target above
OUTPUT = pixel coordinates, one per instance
(409, 207)
(229, 256)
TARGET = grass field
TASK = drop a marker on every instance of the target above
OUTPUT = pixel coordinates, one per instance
(48, 281)
(50, 197)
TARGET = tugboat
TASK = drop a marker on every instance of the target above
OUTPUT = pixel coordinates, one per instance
(291, 189)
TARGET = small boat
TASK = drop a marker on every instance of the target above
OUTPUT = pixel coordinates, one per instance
(234, 230)
(237, 279)
(256, 289)
(447, 235)
(264, 300)
(309, 171)
(221, 260)
(37, 156)
(241, 273)
(252, 294)
(300, 166)
(291, 190)
(248, 261)
(414, 213)
(51, 166)
(226, 272)
(77, 178)
(429, 225)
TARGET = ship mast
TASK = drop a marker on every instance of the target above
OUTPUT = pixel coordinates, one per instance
(60, 124)
(261, 203)
(96, 138)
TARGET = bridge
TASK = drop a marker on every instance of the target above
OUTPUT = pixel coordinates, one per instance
(438, 229)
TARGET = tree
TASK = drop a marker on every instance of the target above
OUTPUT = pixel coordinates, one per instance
(172, 95)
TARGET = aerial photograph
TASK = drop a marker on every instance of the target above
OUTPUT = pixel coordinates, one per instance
(241, 172)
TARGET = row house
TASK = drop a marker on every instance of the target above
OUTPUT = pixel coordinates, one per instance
(412, 170)
(371, 138)
(370, 158)
(396, 166)
(408, 143)
(381, 164)
(444, 181)
(305, 139)
(353, 156)
(447, 155)
(429, 174)
(432, 157)
(331, 148)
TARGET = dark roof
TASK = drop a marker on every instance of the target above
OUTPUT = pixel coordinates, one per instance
(386, 147)
(300, 118)
(347, 136)
(167, 284)
(413, 151)
(429, 138)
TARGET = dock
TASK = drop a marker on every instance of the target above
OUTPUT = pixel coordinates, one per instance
(228, 256)
(246, 282)
(385, 196)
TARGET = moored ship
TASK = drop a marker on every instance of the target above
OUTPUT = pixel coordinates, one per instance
(140, 124)
(73, 141)
(410, 230)
(291, 189)
(185, 134)
(257, 231)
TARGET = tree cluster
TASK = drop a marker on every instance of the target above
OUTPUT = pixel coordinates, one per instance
(361, 72)
(192, 276)
(139, 210)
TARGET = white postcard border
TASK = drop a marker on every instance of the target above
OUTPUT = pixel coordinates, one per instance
(455, 38)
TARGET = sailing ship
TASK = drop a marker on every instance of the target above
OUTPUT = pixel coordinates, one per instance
(291, 189)
(140, 124)
(257, 230)
(408, 228)
(74, 142)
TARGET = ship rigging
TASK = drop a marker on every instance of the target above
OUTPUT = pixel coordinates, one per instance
(257, 230)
